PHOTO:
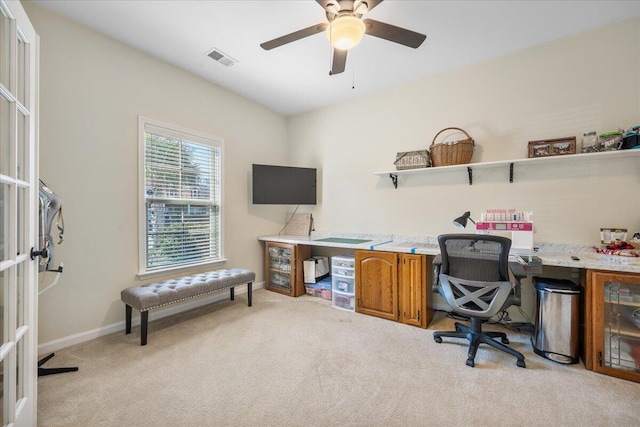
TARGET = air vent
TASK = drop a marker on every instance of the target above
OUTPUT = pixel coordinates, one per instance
(221, 57)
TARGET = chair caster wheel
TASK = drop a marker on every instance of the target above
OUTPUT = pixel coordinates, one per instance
(470, 363)
(521, 364)
(437, 339)
(504, 340)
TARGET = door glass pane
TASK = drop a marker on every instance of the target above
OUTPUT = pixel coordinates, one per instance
(21, 281)
(21, 231)
(21, 76)
(22, 147)
(19, 369)
(3, 310)
(5, 29)
(622, 333)
(4, 422)
(4, 221)
(5, 135)
(280, 268)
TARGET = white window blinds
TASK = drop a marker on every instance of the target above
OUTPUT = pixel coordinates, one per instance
(181, 198)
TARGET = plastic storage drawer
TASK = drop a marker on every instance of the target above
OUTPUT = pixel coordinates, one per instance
(345, 261)
(343, 301)
(343, 284)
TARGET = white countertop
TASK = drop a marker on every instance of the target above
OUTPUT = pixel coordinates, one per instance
(552, 254)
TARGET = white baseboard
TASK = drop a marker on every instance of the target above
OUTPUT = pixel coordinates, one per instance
(70, 340)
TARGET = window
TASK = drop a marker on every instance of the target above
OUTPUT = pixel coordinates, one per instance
(180, 189)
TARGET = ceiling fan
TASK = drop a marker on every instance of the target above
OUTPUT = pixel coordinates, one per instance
(346, 28)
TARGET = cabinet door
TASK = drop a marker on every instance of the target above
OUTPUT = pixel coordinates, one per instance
(279, 268)
(615, 324)
(412, 289)
(377, 284)
(283, 267)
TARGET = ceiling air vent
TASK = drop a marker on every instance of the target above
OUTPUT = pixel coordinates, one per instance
(221, 57)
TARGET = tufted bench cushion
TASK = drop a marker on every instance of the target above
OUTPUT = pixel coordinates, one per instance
(153, 295)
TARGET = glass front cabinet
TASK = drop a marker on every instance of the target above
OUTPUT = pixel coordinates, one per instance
(612, 327)
(283, 267)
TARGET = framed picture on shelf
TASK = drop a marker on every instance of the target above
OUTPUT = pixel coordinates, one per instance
(552, 147)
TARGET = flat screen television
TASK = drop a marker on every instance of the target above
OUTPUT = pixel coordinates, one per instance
(283, 185)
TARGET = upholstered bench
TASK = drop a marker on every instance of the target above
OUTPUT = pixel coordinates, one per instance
(154, 295)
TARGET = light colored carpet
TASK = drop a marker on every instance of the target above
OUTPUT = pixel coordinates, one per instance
(300, 362)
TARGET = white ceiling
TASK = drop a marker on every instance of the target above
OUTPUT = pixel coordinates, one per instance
(295, 78)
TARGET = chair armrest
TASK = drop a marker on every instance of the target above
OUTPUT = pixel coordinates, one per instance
(518, 274)
(437, 265)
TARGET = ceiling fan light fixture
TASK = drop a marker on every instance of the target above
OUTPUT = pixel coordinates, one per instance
(345, 32)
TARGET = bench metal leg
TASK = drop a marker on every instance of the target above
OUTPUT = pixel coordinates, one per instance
(249, 286)
(144, 321)
(232, 293)
(127, 318)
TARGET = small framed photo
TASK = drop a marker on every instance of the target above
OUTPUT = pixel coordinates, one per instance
(552, 147)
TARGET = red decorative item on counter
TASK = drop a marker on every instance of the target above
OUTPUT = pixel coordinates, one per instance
(620, 249)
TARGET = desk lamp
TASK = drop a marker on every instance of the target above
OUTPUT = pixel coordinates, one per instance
(461, 222)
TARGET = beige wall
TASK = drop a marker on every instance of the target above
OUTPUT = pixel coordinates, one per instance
(564, 88)
(587, 82)
(92, 91)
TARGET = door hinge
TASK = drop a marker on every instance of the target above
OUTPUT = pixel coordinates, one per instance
(418, 315)
(600, 358)
(358, 302)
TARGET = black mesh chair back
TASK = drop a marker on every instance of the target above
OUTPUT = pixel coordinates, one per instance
(475, 257)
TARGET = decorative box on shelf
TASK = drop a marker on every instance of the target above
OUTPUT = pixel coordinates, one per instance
(412, 160)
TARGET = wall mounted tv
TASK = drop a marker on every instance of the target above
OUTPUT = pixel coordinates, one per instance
(283, 185)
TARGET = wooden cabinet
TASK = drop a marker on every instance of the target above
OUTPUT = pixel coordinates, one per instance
(612, 323)
(413, 290)
(377, 284)
(393, 286)
(283, 267)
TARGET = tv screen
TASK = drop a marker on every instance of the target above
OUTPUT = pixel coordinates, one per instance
(283, 185)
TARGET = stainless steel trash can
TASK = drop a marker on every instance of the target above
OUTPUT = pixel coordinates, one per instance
(556, 333)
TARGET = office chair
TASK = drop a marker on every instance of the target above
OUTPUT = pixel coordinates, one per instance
(473, 273)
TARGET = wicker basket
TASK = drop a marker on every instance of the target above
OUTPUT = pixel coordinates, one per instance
(451, 153)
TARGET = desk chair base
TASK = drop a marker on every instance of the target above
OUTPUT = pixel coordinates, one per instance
(476, 336)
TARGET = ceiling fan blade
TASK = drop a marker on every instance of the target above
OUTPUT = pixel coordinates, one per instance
(296, 35)
(393, 33)
(339, 61)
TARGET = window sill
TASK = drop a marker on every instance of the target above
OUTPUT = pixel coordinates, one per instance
(169, 271)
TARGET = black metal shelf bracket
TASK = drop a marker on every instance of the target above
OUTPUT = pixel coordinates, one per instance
(470, 175)
(394, 179)
(511, 173)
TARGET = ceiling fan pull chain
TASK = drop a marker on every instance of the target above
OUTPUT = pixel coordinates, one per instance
(353, 78)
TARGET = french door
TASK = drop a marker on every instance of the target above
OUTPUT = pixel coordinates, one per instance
(18, 215)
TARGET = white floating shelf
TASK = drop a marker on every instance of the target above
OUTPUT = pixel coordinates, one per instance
(606, 155)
